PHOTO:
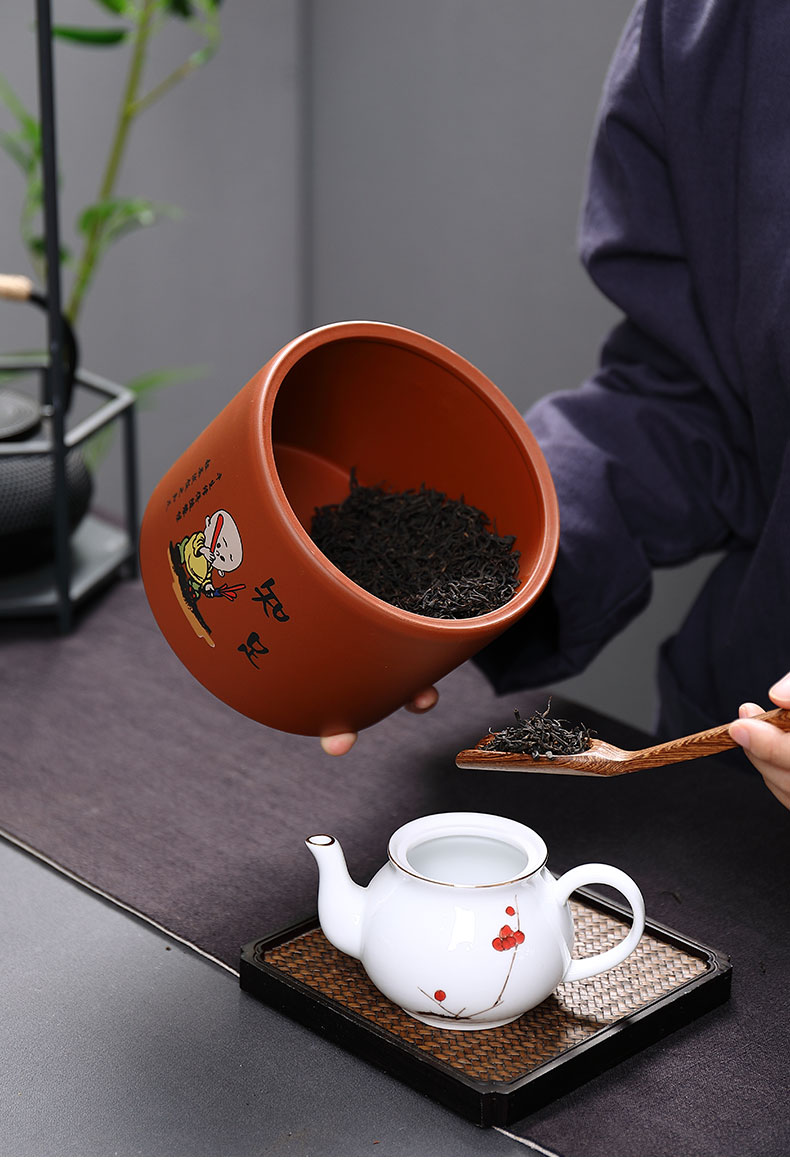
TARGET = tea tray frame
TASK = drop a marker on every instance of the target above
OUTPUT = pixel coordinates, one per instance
(676, 979)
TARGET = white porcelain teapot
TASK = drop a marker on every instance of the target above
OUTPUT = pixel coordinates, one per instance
(464, 927)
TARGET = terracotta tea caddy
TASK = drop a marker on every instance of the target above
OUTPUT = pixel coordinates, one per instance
(464, 927)
(254, 610)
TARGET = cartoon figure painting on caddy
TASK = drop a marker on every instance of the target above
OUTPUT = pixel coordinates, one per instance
(199, 558)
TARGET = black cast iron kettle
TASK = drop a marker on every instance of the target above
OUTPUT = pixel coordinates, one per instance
(27, 480)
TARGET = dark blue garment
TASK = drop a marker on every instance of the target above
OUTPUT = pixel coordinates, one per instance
(678, 446)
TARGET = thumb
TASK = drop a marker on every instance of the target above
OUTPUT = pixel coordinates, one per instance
(780, 692)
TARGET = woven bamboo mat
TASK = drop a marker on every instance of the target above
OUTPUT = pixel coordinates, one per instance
(570, 1017)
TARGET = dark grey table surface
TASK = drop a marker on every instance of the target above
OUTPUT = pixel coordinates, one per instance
(116, 1039)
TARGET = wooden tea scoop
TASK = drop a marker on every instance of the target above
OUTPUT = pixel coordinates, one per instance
(605, 760)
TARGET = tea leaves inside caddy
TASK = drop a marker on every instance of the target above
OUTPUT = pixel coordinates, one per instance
(419, 550)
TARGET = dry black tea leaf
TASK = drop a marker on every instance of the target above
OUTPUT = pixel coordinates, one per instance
(419, 550)
(540, 736)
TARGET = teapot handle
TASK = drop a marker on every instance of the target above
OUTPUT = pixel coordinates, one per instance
(594, 872)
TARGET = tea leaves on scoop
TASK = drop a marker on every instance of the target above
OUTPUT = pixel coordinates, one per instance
(540, 736)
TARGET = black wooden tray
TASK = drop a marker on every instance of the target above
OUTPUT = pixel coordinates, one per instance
(497, 1076)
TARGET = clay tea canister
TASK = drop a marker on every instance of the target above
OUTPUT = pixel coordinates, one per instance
(245, 598)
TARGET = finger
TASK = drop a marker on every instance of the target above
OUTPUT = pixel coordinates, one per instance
(423, 701)
(338, 744)
(750, 709)
(780, 692)
(764, 743)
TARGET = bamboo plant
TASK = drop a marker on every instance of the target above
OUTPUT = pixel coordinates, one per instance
(128, 26)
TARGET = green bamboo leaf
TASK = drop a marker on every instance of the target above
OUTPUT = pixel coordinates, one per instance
(200, 56)
(17, 151)
(117, 216)
(38, 247)
(186, 9)
(97, 447)
(207, 19)
(28, 124)
(152, 381)
(117, 7)
(34, 193)
(181, 8)
(94, 37)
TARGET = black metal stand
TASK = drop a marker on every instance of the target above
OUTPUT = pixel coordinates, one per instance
(98, 549)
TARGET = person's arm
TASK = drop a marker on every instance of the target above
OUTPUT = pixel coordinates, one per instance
(653, 457)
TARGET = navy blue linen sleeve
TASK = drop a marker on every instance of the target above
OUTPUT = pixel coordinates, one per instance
(650, 457)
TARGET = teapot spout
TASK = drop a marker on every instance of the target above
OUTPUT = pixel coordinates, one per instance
(341, 903)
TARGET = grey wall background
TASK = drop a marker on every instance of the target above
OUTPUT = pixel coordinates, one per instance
(220, 288)
(418, 162)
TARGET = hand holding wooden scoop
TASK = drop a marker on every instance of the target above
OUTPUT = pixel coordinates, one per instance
(602, 759)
